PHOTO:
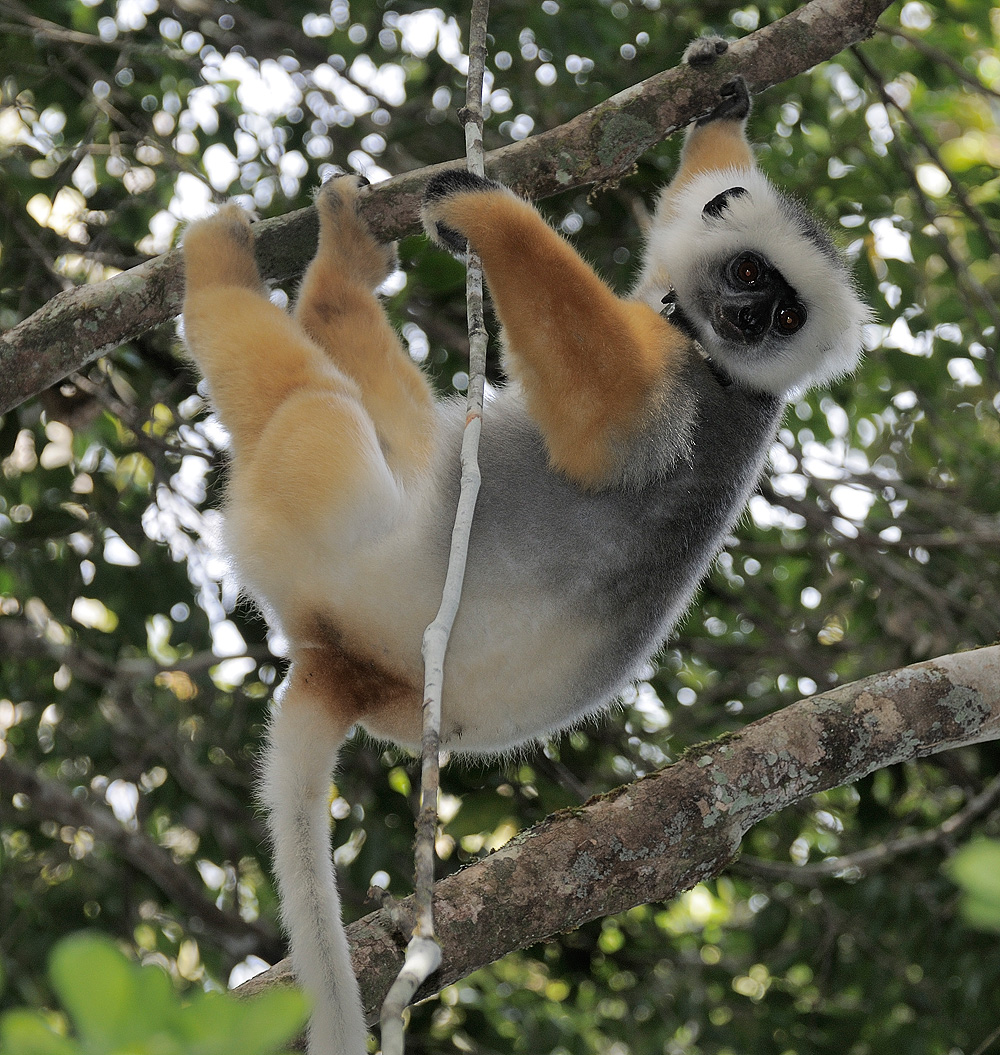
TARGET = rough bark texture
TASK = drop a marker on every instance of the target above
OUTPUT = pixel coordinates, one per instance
(601, 144)
(650, 840)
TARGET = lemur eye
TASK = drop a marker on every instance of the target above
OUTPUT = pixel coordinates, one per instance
(747, 269)
(789, 320)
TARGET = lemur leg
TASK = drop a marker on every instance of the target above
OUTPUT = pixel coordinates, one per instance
(309, 474)
(589, 360)
(716, 142)
(303, 741)
(337, 308)
(252, 354)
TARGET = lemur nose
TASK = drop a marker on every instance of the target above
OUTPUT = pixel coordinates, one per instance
(751, 322)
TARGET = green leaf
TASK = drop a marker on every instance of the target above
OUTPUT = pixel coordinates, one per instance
(97, 987)
(976, 869)
(271, 1019)
(220, 1023)
(24, 1032)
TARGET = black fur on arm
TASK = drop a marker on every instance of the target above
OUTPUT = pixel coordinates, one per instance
(457, 181)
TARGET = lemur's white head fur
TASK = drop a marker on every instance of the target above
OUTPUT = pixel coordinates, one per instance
(690, 244)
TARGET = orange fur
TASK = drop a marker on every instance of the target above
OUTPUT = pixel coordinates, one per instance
(354, 352)
(719, 145)
(589, 361)
(329, 418)
(710, 148)
(221, 253)
(317, 447)
(336, 309)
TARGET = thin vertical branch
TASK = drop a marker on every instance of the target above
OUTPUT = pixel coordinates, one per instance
(423, 954)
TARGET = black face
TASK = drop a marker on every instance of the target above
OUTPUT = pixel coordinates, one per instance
(755, 302)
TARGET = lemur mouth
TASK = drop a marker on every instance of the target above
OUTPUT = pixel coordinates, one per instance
(739, 324)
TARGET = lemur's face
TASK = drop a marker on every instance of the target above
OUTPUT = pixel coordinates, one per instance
(747, 300)
(755, 281)
(753, 302)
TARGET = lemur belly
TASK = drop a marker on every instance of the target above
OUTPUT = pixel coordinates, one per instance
(510, 671)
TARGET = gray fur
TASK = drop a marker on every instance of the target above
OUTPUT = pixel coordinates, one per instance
(628, 557)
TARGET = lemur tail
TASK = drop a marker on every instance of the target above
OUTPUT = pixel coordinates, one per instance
(303, 744)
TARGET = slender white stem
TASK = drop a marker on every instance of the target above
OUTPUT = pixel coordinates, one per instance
(423, 954)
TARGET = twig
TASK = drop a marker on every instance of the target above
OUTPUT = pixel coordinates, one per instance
(988, 1042)
(423, 954)
(940, 57)
(969, 286)
(867, 860)
(972, 211)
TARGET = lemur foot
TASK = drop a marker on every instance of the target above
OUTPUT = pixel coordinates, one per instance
(734, 104)
(704, 50)
(218, 251)
(345, 238)
(436, 194)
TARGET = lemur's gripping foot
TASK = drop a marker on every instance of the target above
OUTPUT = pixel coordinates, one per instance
(705, 50)
(735, 104)
(218, 251)
(346, 239)
(735, 98)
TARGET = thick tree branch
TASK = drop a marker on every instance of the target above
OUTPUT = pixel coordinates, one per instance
(601, 144)
(650, 840)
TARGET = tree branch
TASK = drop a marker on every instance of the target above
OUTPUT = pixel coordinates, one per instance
(866, 860)
(650, 840)
(602, 144)
(53, 800)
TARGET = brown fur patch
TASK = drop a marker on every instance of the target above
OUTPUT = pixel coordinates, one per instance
(351, 683)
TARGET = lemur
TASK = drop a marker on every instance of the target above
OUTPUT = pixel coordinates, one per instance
(614, 462)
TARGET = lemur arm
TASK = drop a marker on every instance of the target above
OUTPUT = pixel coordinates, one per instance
(588, 360)
(591, 362)
(717, 141)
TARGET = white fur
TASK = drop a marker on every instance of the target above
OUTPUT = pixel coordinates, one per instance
(300, 757)
(683, 241)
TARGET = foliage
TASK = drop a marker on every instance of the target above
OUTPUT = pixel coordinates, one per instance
(116, 1006)
(134, 685)
(976, 869)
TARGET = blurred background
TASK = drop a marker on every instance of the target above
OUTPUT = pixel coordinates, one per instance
(135, 682)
